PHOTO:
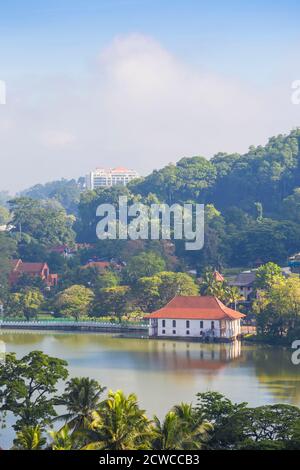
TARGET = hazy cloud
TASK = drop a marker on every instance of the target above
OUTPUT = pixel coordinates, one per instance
(140, 106)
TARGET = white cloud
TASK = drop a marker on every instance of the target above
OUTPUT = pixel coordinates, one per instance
(57, 138)
(141, 107)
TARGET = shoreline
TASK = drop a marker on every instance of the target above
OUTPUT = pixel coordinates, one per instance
(75, 328)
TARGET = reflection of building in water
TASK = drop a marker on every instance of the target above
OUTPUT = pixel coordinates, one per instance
(200, 356)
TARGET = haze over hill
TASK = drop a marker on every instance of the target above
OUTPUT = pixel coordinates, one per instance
(128, 83)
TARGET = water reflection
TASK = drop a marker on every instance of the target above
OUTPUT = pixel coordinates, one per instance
(254, 373)
(275, 372)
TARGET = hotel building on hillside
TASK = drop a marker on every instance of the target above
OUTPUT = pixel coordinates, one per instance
(195, 317)
(107, 177)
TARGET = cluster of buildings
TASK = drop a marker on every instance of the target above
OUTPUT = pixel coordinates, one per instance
(41, 270)
(205, 316)
(107, 177)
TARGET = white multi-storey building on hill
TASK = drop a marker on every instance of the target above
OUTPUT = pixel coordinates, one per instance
(106, 177)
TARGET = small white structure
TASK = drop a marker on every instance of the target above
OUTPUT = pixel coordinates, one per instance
(195, 317)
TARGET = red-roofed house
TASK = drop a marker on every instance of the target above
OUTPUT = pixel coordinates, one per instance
(40, 270)
(218, 277)
(195, 317)
(102, 266)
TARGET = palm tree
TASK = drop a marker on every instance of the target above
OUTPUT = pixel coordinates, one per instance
(232, 296)
(181, 429)
(29, 438)
(195, 431)
(165, 433)
(81, 398)
(62, 440)
(211, 286)
(119, 424)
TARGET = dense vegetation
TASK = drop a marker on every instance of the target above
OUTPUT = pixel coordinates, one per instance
(252, 218)
(91, 420)
(252, 201)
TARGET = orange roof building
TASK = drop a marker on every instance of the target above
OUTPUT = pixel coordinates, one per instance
(101, 265)
(41, 270)
(218, 277)
(196, 317)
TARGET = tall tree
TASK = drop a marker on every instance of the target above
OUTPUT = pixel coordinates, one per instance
(81, 398)
(27, 386)
(75, 301)
(42, 221)
(119, 424)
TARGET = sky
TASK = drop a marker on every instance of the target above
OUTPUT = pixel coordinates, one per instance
(141, 83)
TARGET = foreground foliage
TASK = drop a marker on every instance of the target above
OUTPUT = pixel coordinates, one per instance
(116, 422)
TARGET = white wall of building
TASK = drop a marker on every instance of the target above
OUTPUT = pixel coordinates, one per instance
(102, 178)
(194, 328)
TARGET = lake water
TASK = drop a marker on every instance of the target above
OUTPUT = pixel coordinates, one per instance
(163, 373)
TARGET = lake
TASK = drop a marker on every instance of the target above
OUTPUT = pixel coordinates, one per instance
(163, 373)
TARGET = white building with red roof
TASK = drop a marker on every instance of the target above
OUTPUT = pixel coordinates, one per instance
(107, 177)
(195, 317)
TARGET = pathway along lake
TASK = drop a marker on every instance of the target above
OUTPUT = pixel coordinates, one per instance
(163, 373)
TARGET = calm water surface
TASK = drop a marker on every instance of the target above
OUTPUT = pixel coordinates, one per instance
(163, 373)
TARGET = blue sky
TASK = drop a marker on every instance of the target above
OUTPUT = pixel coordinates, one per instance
(229, 36)
(54, 48)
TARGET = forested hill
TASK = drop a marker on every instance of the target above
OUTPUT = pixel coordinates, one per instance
(252, 203)
(267, 175)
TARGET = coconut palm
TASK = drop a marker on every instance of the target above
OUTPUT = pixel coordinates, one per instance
(119, 424)
(62, 440)
(182, 428)
(195, 431)
(81, 398)
(29, 438)
(165, 433)
(233, 296)
(211, 286)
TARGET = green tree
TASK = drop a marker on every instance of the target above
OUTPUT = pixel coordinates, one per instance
(291, 206)
(7, 251)
(211, 286)
(4, 215)
(154, 292)
(218, 410)
(29, 438)
(182, 428)
(143, 264)
(26, 303)
(111, 301)
(119, 424)
(278, 309)
(62, 439)
(43, 221)
(67, 192)
(81, 398)
(267, 275)
(75, 301)
(94, 277)
(27, 386)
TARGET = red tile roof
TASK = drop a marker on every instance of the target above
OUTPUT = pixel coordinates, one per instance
(32, 268)
(98, 264)
(196, 307)
(218, 276)
(15, 263)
